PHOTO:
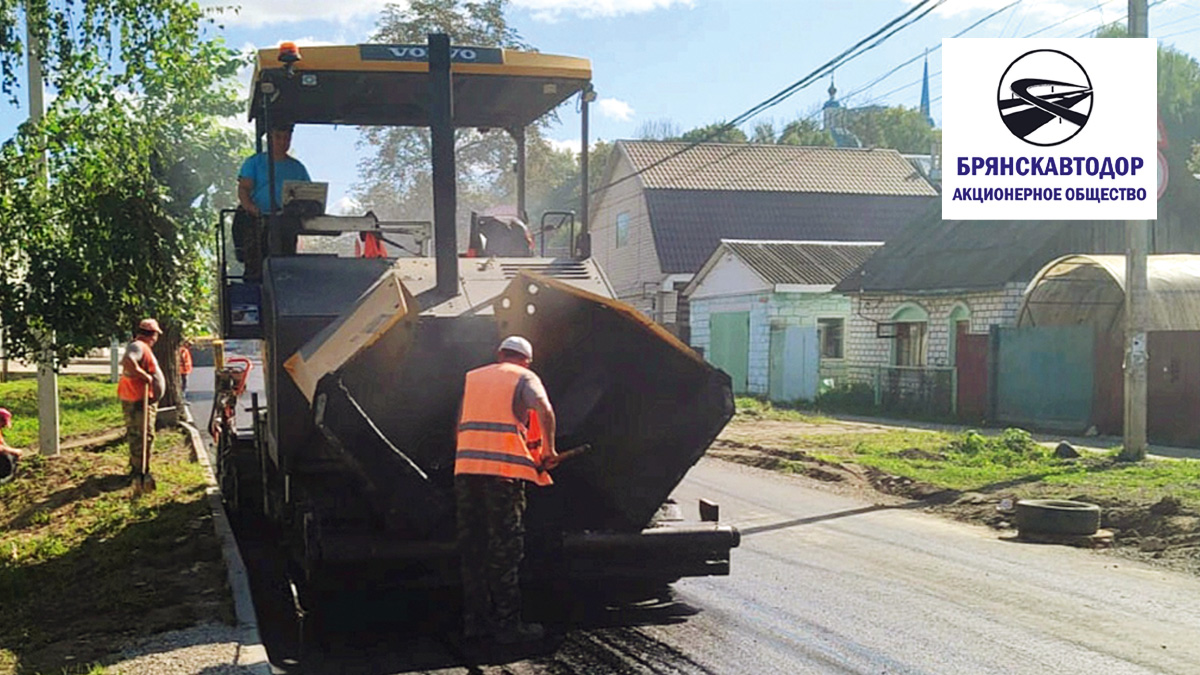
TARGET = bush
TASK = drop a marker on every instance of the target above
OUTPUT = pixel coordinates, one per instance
(1011, 448)
(848, 397)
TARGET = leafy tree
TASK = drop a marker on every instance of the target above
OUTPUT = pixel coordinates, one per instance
(804, 131)
(106, 206)
(717, 132)
(904, 129)
(565, 193)
(396, 180)
(800, 131)
(764, 132)
(1179, 110)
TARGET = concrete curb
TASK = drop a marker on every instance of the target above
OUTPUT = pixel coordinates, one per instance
(252, 655)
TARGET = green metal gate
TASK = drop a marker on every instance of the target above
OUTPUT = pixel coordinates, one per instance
(793, 364)
(730, 348)
(1044, 376)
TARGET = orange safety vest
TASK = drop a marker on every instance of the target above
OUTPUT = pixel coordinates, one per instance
(185, 361)
(491, 440)
(132, 389)
(371, 246)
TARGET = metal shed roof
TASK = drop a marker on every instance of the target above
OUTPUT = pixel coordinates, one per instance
(791, 263)
(802, 262)
(1090, 289)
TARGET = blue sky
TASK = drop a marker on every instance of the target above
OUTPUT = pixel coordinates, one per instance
(695, 61)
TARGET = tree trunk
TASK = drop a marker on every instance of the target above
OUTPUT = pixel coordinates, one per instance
(166, 350)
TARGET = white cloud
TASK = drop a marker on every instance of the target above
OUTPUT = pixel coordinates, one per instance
(255, 13)
(615, 109)
(551, 10)
(346, 206)
(571, 144)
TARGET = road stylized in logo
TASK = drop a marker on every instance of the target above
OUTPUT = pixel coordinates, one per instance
(1045, 97)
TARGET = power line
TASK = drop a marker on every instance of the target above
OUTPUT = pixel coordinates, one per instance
(1069, 18)
(1097, 7)
(902, 88)
(926, 52)
(1182, 32)
(1179, 20)
(929, 50)
(853, 52)
(1124, 17)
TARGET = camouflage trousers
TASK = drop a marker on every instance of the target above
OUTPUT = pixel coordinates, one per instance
(133, 431)
(491, 541)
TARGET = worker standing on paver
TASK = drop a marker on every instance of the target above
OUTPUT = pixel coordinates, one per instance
(139, 370)
(255, 194)
(493, 462)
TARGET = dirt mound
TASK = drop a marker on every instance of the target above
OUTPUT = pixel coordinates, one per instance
(917, 453)
(783, 460)
(902, 486)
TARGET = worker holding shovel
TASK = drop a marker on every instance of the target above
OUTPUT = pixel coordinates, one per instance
(139, 389)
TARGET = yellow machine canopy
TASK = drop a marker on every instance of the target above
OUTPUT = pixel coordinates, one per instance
(388, 85)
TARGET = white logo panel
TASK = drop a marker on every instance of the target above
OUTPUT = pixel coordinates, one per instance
(1049, 129)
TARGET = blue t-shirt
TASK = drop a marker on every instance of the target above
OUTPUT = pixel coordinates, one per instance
(255, 168)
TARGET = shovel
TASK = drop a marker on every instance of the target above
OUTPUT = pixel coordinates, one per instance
(144, 482)
(563, 456)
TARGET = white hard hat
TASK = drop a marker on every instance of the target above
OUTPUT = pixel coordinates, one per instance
(518, 344)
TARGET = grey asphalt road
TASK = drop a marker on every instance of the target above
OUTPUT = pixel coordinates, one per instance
(829, 583)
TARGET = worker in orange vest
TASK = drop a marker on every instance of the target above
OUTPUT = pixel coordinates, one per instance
(496, 455)
(139, 371)
(185, 363)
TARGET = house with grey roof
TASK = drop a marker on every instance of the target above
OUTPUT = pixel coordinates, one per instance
(924, 304)
(667, 205)
(763, 312)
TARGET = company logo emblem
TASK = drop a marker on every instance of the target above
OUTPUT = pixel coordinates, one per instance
(1045, 97)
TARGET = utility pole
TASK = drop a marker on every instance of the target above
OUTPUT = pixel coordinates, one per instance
(47, 376)
(1136, 271)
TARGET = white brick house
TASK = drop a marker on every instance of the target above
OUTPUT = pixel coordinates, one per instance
(982, 310)
(941, 282)
(763, 312)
